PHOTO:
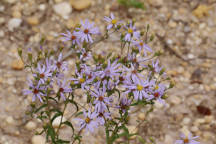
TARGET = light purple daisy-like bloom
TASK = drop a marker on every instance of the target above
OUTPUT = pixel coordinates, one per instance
(131, 33)
(85, 55)
(63, 88)
(113, 23)
(102, 116)
(86, 31)
(124, 104)
(187, 139)
(101, 100)
(43, 73)
(132, 72)
(35, 90)
(81, 79)
(88, 123)
(157, 93)
(71, 37)
(155, 66)
(138, 88)
(60, 65)
(142, 46)
(111, 70)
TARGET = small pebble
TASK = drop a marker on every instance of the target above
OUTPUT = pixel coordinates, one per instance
(14, 23)
(141, 116)
(10, 120)
(186, 121)
(17, 65)
(63, 9)
(80, 4)
(38, 139)
(30, 125)
(57, 121)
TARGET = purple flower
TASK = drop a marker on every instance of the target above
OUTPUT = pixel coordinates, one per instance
(101, 100)
(71, 37)
(111, 70)
(131, 32)
(60, 65)
(132, 72)
(63, 88)
(156, 67)
(87, 30)
(43, 73)
(138, 88)
(102, 116)
(81, 79)
(187, 139)
(35, 90)
(113, 23)
(157, 93)
(142, 46)
(88, 123)
(85, 55)
(124, 104)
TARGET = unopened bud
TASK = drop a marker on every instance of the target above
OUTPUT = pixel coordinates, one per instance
(20, 52)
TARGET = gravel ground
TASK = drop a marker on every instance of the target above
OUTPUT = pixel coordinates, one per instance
(185, 31)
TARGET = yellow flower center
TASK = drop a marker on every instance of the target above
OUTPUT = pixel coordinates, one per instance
(81, 80)
(98, 78)
(156, 87)
(87, 120)
(114, 21)
(130, 30)
(139, 87)
(186, 141)
(141, 44)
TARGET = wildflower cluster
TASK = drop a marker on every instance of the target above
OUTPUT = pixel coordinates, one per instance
(112, 84)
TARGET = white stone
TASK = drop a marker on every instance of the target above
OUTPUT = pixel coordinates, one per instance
(30, 125)
(186, 121)
(10, 120)
(42, 7)
(1, 33)
(168, 139)
(14, 23)
(175, 100)
(2, 20)
(2, 8)
(194, 129)
(169, 41)
(38, 139)
(57, 121)
(190, 56)
(63, 9)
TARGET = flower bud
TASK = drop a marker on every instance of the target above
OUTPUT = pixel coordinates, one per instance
(20, 52)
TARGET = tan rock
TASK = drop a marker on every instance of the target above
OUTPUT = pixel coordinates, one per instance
(16, 14)
(132, 130)
(17, 65)
(141, 116)
(38, 139)
(58, 1)
(30, 125)
(57, 121)
(33, 21)
(201, 11)
(172, 24)
(10, 120)
(80, 4)
(71, 23)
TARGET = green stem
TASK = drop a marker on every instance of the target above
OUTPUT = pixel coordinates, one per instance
(61, 119)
